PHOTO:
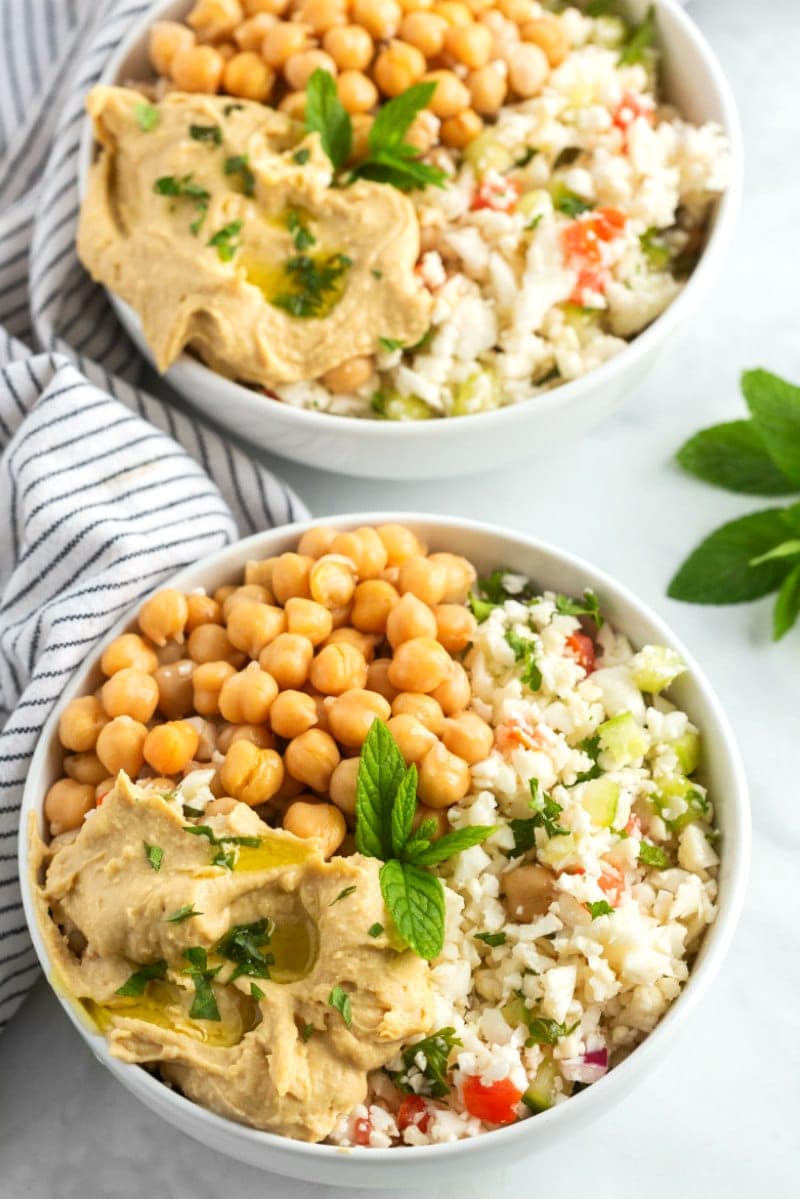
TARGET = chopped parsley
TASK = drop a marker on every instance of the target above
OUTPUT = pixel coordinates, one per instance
(566, 157)
(204, 1004)
(492, 939)
(185, 188)
(591, 747)
(376, 274)
(654, 248)
(525, 157)
(137, 982)
(568, 202)
(301, 234)
(255, 991)
(641, 40)
(375, 929)
(589, 606)
(307, 1032)
(147, 116)
(343, 895)
(185, 913)
(390, 343)
(601, 908)
(225, 846)
(435, 1050)
(206, 133)
(154, 855)
(245, 945)
(653, 855)
(525, 652)
(311, 283)
(546, 1032)
(533, 222)
(239, 164)
(339, 1000)
(229, 108)
(224, 242)
(302, 156)
(546, 813)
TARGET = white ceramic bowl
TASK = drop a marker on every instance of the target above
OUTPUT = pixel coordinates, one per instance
(693, 80)
(549, 567)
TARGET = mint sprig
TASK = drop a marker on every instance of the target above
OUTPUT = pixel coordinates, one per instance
(386, 803)
(758, 553)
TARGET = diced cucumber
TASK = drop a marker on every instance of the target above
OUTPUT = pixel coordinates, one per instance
(541, 1093)
(600, 799)
(655, 667)
(623, 739)
(515, 1012)
(536, 203)
(687, 751)
(393, 406)
(556, 850)
(487, 153)
(578, 317)
(681, 789)
(479, 393)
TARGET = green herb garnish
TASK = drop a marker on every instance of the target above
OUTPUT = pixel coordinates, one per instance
(545, 815)
(588, 606)
(492, 939)
(591, 747)
(391, 343)
(525, 157)
(224, 242)
(137, 982)
(435, 1050)
(386, 802)
(525, 652)
(185, 913)
(245, 945)
(185, 188)
(238, 164)
(154, 855)
(566, 157)
(546, 1032)
(339, 1000)
(343, 895)
(225, 846)
(653, 855)
(307, 1032)
(206, 133)
(302, 156)
(601, 908)
(301, 234)
(229, 108)
(654, 248)
(375, 930)
(568, 202)
(147, 116)
(255, 991)
(376, 274)
(640, 41)
(204, 1004)
(327, 116)
(311, 282)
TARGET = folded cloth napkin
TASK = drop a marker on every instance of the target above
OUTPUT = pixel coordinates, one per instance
(104, 490)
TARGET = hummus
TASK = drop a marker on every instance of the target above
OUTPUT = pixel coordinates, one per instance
(292, 1042)
(219, 226)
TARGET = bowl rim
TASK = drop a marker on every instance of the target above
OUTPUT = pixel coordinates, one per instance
(195, 372)
(588, 1103)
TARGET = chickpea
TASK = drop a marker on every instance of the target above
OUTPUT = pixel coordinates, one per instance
(253, 626)
(250, 34)
(259, 734)
(460, 573)
(66, 804)
(290, 577)
(162, 618)
(415, 5)
(210, 643)
(476, 7)
(81, 722)
(282, 42)
(316, 541)
(169, 748)
(130, 692)
(322, 702)
(399, 542)
(207, 738)
(548, 34)
(166, 39)
(338, 668)
(215, 19)
(250, 774)
(378, 17)
(516, 10)
(246, 697)
(102, 789)
(425, 30)
(288, 659)
(399, 67)
(128, 650)
(357, 93)
(461, 130)
(208, 680)
(349, 46)
(424, 578)
(469, 44)
(363, 642)
(299, 68)
(340, 617)
(343, 786)
(529, 891)
(409, 618)
(420, 664)
(468, 737)
(294, 105)
(202, 609)
(309, 619)
(197, 69)
(311, 758)
(250, 591)
(488, 87)
(293, 713)
(321, 821)
(352, 713)
(364, 548)
(332, 580)
(276, 7)
(247, 75)
(450, 97)
(413, 739)
(85, 768)
(444, 779)
(423, 708)
(372, 603)
(423, 813)
(222, 593)
(378, 678)
(455, 627)
(322, 15)
(454, 694)
(528, 69)
(175, 688)
(258, 573)
(120, 746)
(353, 373)
(221, 807)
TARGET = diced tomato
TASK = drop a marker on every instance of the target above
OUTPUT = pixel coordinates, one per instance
(495, 1103)
(579, 240)
(629, 108)
(608, 223)
(514, 733)
(497, 193)
(362, 1130)
(588, 280)
(581, 647)
(413, 1110)
(611, 882)
(634, 826)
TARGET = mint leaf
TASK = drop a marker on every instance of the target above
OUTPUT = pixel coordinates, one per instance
(775, 407)
(154, 855)
(601, 908)
(137, 982)
(395, 118)
(390, 159)
(339, 1000)
(492, 939)
(327, 116)
(787, 605)
(403, 809)
(380, 773)
(416, 901)
(733, 455)
(185, 913)
(721, 571)
(652, 855)
(786, 549)
(435, 1050)
(640, 41)
(147, 116)
(452, 843)
(588, 606)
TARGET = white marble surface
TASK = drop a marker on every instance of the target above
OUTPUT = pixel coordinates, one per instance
(721, 1115)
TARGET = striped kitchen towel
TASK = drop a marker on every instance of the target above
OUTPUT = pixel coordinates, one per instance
(104, 490)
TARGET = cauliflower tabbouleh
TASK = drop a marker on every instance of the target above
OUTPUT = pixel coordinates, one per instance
(559, 201)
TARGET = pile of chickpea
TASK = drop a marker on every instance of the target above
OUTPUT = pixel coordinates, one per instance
(480, 54)
(275, 681)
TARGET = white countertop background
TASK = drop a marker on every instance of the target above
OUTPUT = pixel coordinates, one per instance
(720, 1117)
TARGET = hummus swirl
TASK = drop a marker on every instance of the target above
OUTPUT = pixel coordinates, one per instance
(280, 1057)
(208, 258)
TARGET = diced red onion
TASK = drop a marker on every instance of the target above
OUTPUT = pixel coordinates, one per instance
(587, 1068)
